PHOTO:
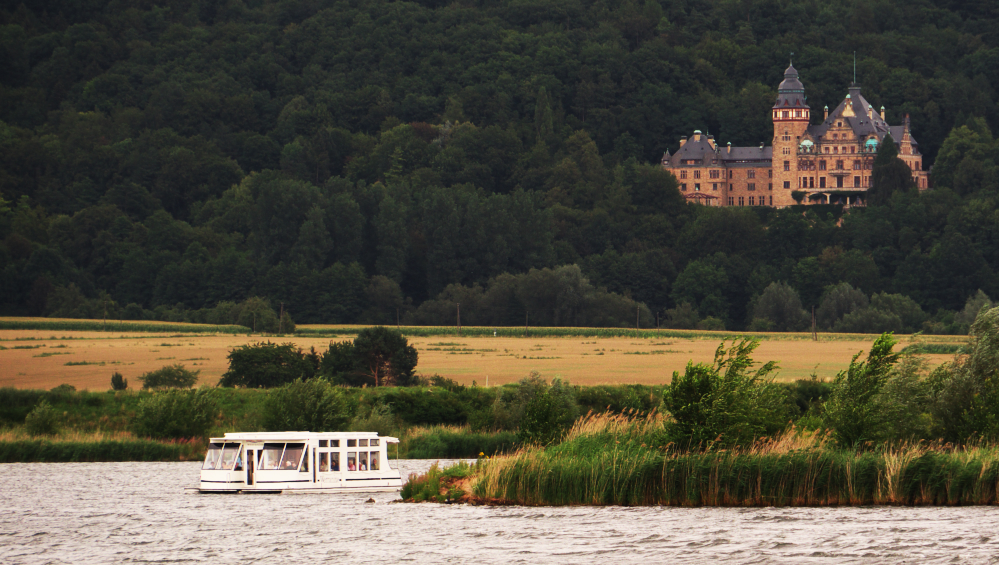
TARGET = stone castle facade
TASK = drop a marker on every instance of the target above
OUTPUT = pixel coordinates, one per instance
(827, 163)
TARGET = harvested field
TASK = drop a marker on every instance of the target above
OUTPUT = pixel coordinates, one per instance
(43, 359)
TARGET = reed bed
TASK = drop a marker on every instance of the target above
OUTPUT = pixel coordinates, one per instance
(18, 446)
(615, 460)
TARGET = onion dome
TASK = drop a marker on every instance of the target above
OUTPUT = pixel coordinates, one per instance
(790, 93)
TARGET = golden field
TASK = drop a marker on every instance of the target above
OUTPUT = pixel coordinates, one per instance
(43, 359)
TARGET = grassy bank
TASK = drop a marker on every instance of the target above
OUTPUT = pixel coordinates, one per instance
(614, 460)
(18, 447)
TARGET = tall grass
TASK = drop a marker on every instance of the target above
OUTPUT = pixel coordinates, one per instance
(609, 460)
(115, 326)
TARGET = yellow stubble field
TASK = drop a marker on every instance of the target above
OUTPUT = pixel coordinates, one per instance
(44, 359)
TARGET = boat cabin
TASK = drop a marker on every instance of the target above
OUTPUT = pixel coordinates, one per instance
(299, 462)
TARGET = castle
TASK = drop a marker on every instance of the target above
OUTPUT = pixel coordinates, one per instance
(828, 163)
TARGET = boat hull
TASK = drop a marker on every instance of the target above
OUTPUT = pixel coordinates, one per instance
(390, 485)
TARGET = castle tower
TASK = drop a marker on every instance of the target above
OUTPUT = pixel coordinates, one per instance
(791, 116)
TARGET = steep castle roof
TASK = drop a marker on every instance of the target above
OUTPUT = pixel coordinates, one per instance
(790, 93)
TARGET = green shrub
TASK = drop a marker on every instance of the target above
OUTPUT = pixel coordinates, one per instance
(171, 376)
(42, 420)
(314, 405)
(725, 403)
(548, 415)
(378, 419)
(176, 414)
(118, 382)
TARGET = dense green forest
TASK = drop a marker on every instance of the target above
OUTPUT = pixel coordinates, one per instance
(364, 160)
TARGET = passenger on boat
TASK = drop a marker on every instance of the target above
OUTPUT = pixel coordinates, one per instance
(364, 467)
(350, 466)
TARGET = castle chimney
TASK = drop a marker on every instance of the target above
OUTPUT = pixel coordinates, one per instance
(683, 140)
(729, 146)
(882, 113)
(826, 116)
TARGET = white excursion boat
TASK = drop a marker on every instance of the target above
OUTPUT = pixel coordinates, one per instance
(298, 462)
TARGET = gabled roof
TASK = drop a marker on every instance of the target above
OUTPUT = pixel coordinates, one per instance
(856, 112)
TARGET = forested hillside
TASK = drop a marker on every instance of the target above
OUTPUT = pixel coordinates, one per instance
(363, 160)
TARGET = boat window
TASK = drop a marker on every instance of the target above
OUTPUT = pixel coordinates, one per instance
(364, 443)
(270, 456)
(374, 460)
(334, 443)
(322, 443)
(374, 443)
(324, 462)
(239, 461)
(214, 451)
(229, 455)
(351, 443)
(335, 461)
(305, 463)
(363, 466)
(351, 460)
(292, 456)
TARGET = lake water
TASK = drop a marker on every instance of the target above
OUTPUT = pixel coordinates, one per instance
(138, 513)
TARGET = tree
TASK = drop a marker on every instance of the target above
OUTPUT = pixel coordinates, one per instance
(889, 174)
(385, 356)
(780, 305)
(118, 382)
(853, 411)
(725, 403)
(266, 365)
(171, 376)
(314, 405)
(966, 392)
(548, 414)
(837, 301)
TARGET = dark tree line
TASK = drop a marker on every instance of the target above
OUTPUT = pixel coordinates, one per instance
(368, 161)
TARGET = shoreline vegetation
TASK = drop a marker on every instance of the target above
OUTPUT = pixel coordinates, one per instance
(608, 460)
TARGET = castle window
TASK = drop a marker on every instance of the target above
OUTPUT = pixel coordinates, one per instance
(839, 165)
(783, 114)
(683, 186)
(839, 124)
(752, 186)
(771, 200)
(811, 182)
(697, 187)
(822, 165)
(730, 174)
(741, 201)
(787, 184)
(856, 181)
(750, 200)
(697, 174)
(683, 174)
(856, 165)
(713, 174)
(852, 149)
(822, 182)
(731, 201)
(786, 136)
(730, 188)
(714, 186)
(827, 149)
(787, 165)
(770, 173)
(770, 186)
(797, 113)
(750, 174)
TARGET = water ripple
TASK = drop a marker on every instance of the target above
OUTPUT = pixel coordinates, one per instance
(135, 512)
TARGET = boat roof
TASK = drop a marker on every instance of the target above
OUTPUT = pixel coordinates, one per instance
(287, 436)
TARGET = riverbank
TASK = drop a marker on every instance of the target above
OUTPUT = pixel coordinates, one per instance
(615, 460)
